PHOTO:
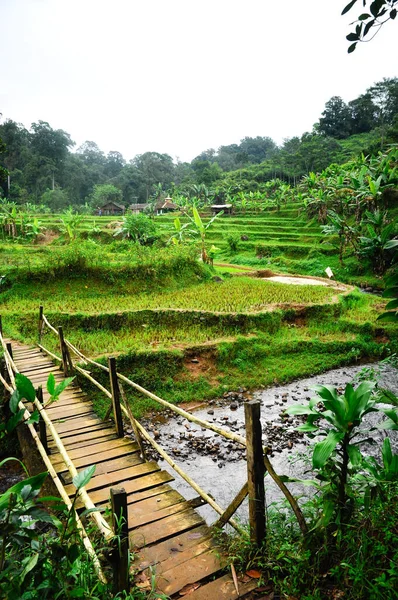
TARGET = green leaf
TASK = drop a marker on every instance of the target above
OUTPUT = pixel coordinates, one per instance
(14, 401)
(51, 384)
(393, 13)
(390, 244)
(61, 386)
(34, 482)
(392, 304)
(299, 409)
(197, 219)
(349, 6)
(386, 452)
(352, 37)
(32, 562)
(14, 420)
(355, 455)
(307, 427)
(25, 387)
(34, 418)
(81, 479)
(324, 449)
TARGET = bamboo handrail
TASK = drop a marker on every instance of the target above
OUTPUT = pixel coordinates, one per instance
(89, 505)
(54, 356)
(226, 434)
(182, 474)
(57, 482)
(94, 381)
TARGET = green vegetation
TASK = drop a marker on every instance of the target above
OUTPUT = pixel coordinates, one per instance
(351, 547)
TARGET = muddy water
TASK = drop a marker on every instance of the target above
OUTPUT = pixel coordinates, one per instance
(219, 466)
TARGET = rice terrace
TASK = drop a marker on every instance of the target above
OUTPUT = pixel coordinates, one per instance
(199, 363)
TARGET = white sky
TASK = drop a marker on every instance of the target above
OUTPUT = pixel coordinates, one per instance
(181, 76)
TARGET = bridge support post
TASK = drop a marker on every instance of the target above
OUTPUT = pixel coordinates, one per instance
(66, 360)
(120, 557)
(42, 425)
(255, 472)
(117, 411)
(9, 348)
(41, 323)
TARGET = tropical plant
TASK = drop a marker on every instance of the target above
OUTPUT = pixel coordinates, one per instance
(337, 458)
(138, 228)
(69, 223)
(378, 244)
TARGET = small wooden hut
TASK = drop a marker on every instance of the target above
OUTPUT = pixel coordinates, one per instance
(111, 208)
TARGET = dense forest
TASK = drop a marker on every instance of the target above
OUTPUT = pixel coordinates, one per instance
(41, 165)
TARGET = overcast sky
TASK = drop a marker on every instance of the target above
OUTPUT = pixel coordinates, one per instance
(181, 76)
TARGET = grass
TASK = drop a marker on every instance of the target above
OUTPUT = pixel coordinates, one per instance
(243, 294)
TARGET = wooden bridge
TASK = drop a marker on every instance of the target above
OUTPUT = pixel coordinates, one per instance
(169, 539)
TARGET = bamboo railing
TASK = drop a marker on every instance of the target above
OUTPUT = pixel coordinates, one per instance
(116, 407)
(10, 387)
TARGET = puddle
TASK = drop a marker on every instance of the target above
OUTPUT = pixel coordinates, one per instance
(219, 466)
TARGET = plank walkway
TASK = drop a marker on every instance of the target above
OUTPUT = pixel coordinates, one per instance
(168, 537)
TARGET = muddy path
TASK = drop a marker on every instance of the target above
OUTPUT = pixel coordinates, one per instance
(219, 466)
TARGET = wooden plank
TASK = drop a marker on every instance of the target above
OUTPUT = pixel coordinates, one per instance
(178, 558)
(90, 442)
(137, 521)
(62, 413)
(75, 426)
(166, 528)
(150, 493)
(156, 503)
(191, 571)
(116, 464)
(134, 485)
(111, 479)
(152, 555)
(92, 450)
(223, 588)
(100, 457)
(87, 436)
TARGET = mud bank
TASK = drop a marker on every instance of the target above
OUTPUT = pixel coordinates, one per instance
(219, 466)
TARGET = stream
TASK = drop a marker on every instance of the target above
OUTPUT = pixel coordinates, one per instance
(219, 466)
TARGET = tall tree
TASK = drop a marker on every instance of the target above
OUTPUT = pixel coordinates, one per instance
(336, 119)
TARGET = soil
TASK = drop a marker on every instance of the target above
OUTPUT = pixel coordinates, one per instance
(218, 465)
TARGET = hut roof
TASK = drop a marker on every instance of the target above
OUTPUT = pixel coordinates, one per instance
(112, 203)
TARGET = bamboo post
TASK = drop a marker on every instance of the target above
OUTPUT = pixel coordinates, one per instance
(41, 322)
(63, 351)
(120, 528)
(133, 422)
(42, 425)
(9, 348)
(117, 411)
(255, 472)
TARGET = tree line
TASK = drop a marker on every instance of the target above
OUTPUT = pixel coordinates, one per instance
(42, 166)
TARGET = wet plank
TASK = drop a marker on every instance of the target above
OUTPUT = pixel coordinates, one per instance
(223, 589)
(192, 570)
(111, 479)
(166, 528)
(152, 555)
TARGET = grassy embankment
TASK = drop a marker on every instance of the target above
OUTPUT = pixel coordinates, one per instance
(157, 309)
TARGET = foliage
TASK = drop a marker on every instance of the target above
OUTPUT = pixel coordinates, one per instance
(138, 228)
(337, 459)
(105, 193)
(370, 22)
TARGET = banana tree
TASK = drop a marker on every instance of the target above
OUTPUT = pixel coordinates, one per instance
(379, 241)
(195, 227)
